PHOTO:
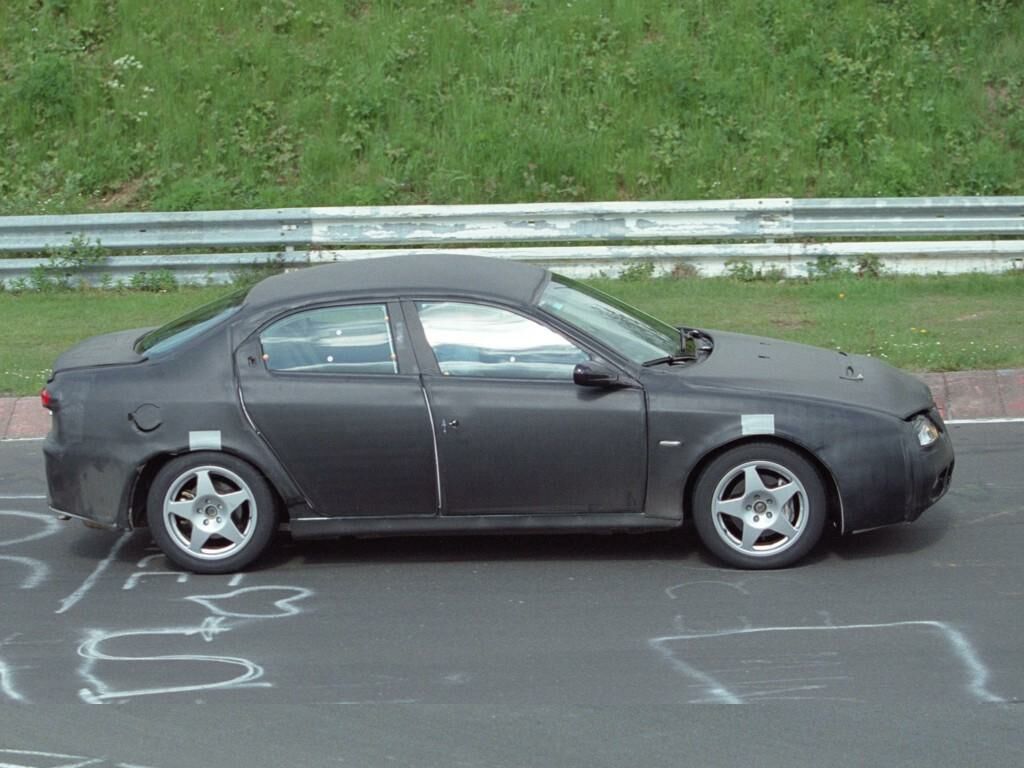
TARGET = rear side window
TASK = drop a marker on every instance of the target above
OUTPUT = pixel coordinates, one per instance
(177, 332)
(349, 339)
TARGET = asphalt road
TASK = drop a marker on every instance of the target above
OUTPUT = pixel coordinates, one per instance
(903, 646)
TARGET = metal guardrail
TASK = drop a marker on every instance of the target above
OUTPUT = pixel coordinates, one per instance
(777, 233)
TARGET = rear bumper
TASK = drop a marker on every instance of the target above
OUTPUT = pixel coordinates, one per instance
(89, 523)
(86, 484)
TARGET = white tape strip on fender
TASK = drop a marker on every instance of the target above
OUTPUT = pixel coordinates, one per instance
(758, 423)
(208, 440)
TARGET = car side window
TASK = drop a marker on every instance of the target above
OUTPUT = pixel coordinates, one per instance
(479, 340)
(348, 339)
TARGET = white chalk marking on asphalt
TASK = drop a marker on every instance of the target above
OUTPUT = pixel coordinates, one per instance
(134, 578)
(50, 526)
(977, 672)
(211, 626)
(81, 762)
(16, 496)
(22, 440)
(285, 605)
(69, 601)
(40, 570)
(144, 562)
(1012, 420)
(235, 580)
(7, 685)
(718, 692)
(362, 702)
(738, 586)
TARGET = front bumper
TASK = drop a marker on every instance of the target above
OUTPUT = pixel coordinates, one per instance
(931, 471)
(894, 479)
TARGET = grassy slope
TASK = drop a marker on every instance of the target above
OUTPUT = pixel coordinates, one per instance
(968, 321)
(250, 103)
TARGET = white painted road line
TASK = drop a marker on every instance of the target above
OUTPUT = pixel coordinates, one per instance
(987, 421)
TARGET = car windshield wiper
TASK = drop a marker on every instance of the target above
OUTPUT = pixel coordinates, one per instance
(679, 357)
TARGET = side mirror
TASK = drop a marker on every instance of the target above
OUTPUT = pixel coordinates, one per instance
(596, 374)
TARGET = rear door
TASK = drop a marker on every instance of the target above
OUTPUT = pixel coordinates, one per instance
(341, 404)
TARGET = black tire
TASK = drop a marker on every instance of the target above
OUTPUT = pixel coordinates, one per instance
(773, 523)
(210, 512)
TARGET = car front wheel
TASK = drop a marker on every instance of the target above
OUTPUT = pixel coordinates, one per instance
(760, 505)
(210, 512)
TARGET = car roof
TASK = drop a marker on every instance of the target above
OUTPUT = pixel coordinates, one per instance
(407, 275)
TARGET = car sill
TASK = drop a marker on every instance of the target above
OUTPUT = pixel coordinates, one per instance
(317, 527)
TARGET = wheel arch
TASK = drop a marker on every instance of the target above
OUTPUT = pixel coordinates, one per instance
(833, 498)
(148, 470)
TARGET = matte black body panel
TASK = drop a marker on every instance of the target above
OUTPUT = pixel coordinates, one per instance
(109, 349)
(869, 452)
(326, 527)
(94, 451)
(770, 367)
(356, 445)
(538, 446)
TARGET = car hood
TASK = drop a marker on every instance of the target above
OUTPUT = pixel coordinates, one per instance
(108, 349)
(739, 361)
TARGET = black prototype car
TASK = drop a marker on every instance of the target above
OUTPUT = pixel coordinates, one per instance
(456, 394)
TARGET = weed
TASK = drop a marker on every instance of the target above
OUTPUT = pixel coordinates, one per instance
(745, 272)
(641, 270)
(868, 265)
(827, 266)
(684, 271)
(64, 268)
(47, 88)
(154, 281)
(251, 274)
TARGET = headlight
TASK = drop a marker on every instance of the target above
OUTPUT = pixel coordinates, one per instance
(925, 429)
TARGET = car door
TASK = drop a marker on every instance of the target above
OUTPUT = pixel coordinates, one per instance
(343, 409)
(515, 435)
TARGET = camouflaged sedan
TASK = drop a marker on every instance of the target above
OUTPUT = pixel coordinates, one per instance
(455, 394)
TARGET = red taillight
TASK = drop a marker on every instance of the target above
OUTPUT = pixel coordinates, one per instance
(48, 400)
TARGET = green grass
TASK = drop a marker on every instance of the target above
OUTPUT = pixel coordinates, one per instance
(260, 103)
(39, 326)
(935, 323)
(918, 323)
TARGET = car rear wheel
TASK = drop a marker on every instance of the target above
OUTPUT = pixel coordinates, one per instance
(210, 512)
(760, 505)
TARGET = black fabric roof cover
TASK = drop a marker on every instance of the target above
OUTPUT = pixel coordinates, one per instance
(405, 275)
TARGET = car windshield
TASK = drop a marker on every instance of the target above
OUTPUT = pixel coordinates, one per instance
(630, 332)
(178, 331)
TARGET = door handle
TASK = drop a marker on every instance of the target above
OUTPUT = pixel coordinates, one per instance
(447, 424)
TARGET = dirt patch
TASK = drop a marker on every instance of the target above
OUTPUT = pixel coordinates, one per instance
(123, 197)
(973, 316)
(1001, 99)
(791, 322)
